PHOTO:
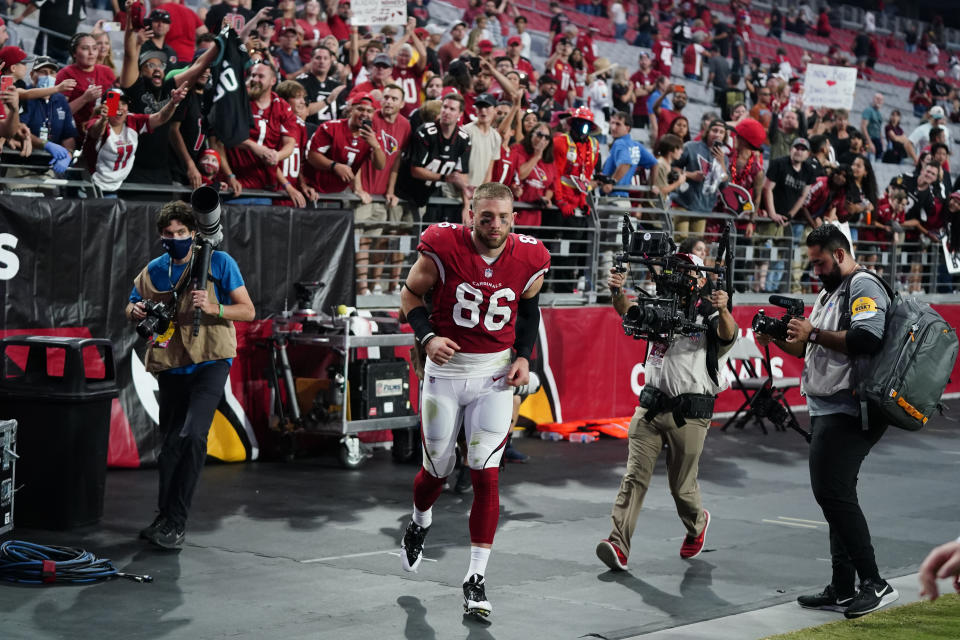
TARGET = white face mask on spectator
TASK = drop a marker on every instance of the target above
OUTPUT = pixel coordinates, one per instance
(45, 82)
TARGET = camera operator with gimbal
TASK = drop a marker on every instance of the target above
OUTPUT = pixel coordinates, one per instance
(190, 354)
(683, 378)
(840, 326)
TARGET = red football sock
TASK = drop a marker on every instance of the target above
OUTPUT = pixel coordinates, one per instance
(426, 490)
(486, 505)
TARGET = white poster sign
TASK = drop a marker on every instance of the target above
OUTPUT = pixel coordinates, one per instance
(951, 258)
(828, 86)
(376, 13)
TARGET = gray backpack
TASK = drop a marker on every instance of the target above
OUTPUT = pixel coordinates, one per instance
(904, 381)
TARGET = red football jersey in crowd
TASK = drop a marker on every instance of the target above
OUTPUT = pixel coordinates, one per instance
(410, 79)
(335, 140)
(505, 168)
(311, 32)
(639, 79)
(393, 140)
(475, 303)
(662, 57)
(184, 23)
(542, 178)
(563, 72)
(292, 165)
(270, 126)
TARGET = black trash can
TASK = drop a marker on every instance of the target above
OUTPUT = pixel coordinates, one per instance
(60, 392)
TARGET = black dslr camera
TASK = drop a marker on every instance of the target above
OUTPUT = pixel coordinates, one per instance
(159, 317)
(777, 327)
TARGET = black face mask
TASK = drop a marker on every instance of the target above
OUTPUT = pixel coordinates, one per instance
(579, 130)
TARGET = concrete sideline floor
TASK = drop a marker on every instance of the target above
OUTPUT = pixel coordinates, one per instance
(307, 550)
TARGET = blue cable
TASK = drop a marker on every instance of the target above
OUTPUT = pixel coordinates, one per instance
(23, 562)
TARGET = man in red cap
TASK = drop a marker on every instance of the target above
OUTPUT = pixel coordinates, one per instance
(521, 64)
(339, 148)
(485, 48)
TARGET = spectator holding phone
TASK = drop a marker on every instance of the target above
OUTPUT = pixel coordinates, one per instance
(155, 35)
(114, 136)
(48, 116)
(339, 148)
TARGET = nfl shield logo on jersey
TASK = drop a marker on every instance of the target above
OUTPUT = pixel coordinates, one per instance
(488, 273)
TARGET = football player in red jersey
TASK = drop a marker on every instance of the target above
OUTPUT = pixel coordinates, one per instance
(253, 164)
(485, 284)
(340, 147)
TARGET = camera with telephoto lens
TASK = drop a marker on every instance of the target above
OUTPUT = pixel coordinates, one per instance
(777, 327)
(159, 317)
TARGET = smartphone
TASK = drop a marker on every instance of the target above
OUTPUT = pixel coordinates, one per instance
(111, 26)
(366, 122)
(113, 103)
(5, 83)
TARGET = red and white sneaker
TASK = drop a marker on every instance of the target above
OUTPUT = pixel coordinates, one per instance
(610, 555)
(692, 547)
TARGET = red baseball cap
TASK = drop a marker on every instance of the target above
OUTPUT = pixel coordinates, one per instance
(485, 45)
(514, 40)
(360, 97)
(447, 91)
(11, 56)
(422, 33)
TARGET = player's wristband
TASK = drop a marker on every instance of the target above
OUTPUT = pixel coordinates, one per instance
(420, 321)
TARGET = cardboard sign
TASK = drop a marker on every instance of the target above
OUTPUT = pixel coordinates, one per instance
(951, 258)
(831, 87)
(376, 13)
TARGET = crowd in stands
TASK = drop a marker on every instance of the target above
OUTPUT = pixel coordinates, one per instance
(398, 115)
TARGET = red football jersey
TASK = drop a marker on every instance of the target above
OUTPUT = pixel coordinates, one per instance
(292, 165)
(411, 80)
(563, 72)
(270, 126)
(663, 57)
(475, 303)
(505, 168)
(335, 140)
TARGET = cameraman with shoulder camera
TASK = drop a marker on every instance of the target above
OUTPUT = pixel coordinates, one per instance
(682, 381)
(838, 330)
(191, 370)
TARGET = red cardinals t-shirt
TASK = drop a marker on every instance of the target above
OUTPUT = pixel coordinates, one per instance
(475, 303)
(393, 140)
(99, 75)
(184, 23)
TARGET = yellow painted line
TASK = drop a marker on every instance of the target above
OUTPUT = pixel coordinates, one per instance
(790, 524)
(801, 520)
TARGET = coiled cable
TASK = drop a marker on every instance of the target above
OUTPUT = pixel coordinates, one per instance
(29, 563)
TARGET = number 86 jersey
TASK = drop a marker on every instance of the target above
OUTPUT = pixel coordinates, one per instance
(475, 301)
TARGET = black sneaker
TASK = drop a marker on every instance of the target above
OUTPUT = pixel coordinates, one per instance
(873, 595)
(154, 526)
(411, 549)
(826, 600)
(475, 601)
(168, 536)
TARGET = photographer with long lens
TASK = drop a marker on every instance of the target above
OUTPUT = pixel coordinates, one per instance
(683, 378)
(190, 355)
(840, 441)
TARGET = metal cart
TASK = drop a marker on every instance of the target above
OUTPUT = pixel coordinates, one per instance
(344, 343)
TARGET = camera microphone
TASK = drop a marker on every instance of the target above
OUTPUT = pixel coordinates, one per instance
(782, 301)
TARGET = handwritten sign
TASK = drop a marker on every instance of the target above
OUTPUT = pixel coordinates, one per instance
(376, 13)
(831, 87)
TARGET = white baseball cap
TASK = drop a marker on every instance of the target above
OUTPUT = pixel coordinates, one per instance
(937, 113)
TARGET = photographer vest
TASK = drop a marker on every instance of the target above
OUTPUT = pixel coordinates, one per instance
(217, 339)
(682, 367)
(825, 371)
